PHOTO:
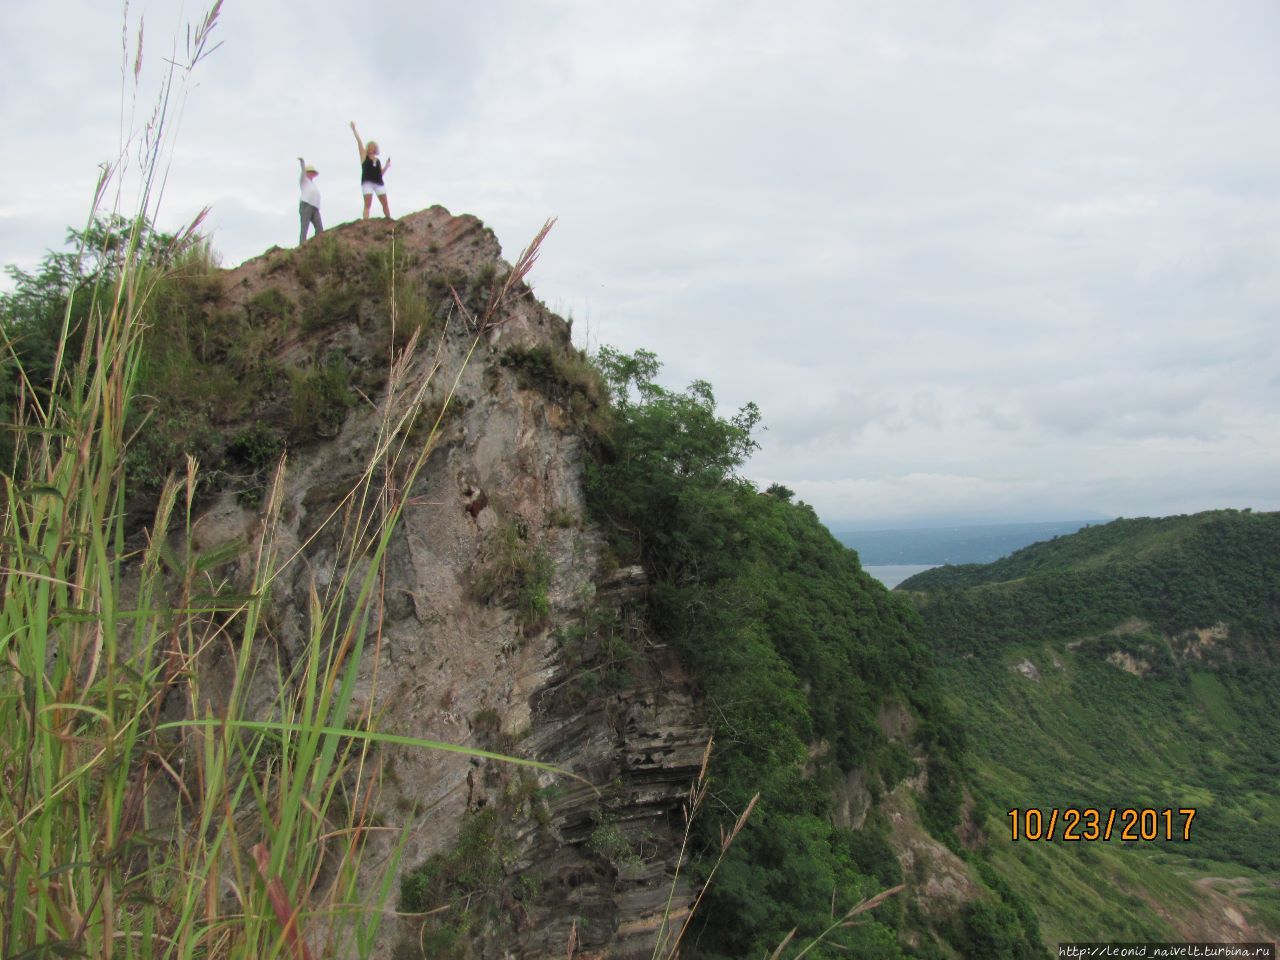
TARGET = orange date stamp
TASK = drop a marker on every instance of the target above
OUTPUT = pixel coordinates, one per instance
(1091, 823)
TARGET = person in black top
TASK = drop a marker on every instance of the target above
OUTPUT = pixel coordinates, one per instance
(372, 170)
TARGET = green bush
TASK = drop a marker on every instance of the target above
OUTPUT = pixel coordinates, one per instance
(269, 305)
(160, 450)
(48, 309)
(476, 865)
(334, 302)
(608, 841)
(565, 375)
(324, 258)
(514, 571)
(320, 399)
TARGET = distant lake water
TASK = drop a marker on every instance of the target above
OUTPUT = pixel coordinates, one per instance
(893, 574)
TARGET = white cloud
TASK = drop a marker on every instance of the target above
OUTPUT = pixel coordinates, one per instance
(997, 257)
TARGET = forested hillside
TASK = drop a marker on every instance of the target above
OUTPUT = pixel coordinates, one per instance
(799, 655)
(1134, 665)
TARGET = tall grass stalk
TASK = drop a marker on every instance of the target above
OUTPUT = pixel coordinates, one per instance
(144, 810)
(847, 919)
(667, 943)
(670, 936)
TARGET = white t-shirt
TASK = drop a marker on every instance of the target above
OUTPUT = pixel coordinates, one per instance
(310, 192)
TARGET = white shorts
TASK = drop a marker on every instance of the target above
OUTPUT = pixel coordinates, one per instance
(369, 189)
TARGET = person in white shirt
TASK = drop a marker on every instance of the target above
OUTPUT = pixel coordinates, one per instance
(309, 204)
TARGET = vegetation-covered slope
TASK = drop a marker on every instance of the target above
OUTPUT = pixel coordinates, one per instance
(1131, 665)
(237, 366)
(797, 652)
(1178, 573)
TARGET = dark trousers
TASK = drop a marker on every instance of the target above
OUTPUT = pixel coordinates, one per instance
(308, 215)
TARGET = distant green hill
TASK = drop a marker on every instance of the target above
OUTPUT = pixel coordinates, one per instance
(1130, 665)
(952, 544)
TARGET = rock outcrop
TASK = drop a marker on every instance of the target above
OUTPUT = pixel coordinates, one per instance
(464, 650)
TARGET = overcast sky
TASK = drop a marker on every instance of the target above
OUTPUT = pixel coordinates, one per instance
(974, 260)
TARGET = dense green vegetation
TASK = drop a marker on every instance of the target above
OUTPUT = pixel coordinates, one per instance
(214, 380)
(797, 651)
(1148, 675)
(1177, 573)
(43, 319)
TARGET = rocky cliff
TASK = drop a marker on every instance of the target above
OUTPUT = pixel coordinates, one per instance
(492, 566)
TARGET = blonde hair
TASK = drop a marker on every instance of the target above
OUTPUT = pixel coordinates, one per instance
(371, 147)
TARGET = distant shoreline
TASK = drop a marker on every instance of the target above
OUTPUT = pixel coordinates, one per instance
(934, 546)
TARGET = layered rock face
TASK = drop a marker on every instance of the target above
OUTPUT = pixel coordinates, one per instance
(495, 596)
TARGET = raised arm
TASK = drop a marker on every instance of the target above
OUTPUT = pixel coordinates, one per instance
(359, 142)
(302, 171)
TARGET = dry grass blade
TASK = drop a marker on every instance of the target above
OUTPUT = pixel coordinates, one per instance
(741, 822)
(196, 46)
(284, 911)
(697, 794)
(528, 257)
(874, 902)
(706, 760)
(726, 841)
(188, 235)
(777, 952)
(847, 920)
(462, 308)
(137, 60)
(524, 263)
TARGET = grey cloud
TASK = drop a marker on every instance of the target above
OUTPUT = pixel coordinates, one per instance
(1012, 254)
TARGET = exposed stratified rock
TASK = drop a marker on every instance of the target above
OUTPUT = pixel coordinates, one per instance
(448, 663)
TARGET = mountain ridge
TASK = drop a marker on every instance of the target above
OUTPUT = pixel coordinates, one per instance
(1129, 665)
